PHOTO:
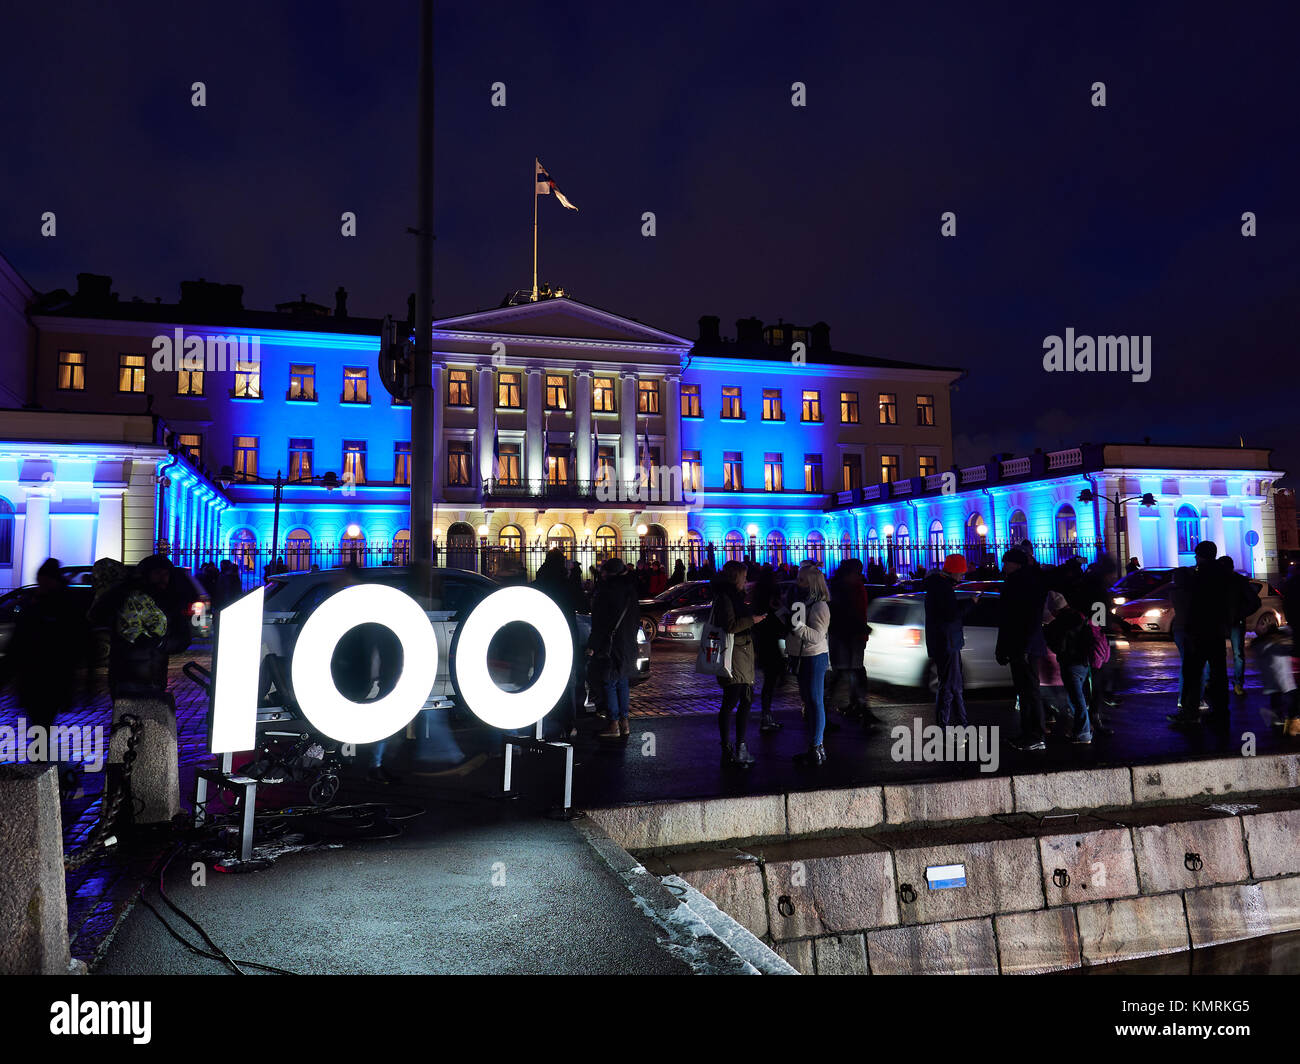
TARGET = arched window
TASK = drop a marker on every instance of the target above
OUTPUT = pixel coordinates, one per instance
(402, 547)
(462, 546)
(511, 539)
(606, 541)
(1018, 527)
(846, 547)
(734, 546)
(776, 547)
(655, 544)
(6, 533)
(695, 547)
(936, 544)
(1067, 528)
(561, 537)
(1189, 530)
(297, 550)
(873, 545)
(243, 545)
(903, 550)
(352, 551)
(973, 525)
(817, 547)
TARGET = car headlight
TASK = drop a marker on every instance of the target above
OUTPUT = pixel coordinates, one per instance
(1120, 600)
(685, 618)
(640, 635)
(1153, 613)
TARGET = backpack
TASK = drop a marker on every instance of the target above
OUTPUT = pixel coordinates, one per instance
(1100, 647)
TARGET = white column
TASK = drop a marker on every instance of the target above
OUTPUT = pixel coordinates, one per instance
(627, 421)
(1215, 513)
(1168, 534)
(582, 425)
(673, 420)
(36, 532)
(487, 398)
(108, 531)
(439, 406)
(534, 448)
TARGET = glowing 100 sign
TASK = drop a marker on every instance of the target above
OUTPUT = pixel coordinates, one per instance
(239, 656)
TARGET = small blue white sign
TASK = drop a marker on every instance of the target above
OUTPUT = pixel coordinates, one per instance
(941, 877)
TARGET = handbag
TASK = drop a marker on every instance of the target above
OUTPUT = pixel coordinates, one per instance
(716, 648)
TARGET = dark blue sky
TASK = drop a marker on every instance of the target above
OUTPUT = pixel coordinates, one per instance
(1117, 220)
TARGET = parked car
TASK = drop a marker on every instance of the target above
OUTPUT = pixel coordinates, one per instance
(1153, 615)
(896, 652)
(680, 596)
(1138, 584)
(291, 598)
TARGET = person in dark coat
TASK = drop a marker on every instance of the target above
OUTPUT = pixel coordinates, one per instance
(767, 645)
(848, 636)
(733, 615)
(611, 647)
(945, 636)
(553, 581)
(1020, 642)
(147, 621)
(1208, 595)
(1244, 603)
(679, 574)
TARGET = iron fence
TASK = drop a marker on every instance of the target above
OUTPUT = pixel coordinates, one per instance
(901, 558)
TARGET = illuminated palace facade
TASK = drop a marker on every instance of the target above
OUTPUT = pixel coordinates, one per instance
(557, 424)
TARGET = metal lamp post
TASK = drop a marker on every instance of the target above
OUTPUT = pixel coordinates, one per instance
(329, 481)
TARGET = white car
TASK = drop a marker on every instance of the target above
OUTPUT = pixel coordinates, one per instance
(896, 652)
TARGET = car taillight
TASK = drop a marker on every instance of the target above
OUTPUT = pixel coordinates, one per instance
(911, 637)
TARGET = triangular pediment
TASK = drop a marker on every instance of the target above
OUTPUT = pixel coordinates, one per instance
(563, 318)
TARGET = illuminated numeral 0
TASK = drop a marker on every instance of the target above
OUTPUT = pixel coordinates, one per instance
(239, 658)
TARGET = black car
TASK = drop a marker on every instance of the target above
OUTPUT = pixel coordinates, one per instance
(680, 596)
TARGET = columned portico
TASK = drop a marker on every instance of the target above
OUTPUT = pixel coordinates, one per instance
(536, 446)
(36, 532)
(582, 425)
(108, 532)
(627, 428)
(486, 422)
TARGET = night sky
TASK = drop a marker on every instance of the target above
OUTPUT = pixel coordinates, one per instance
(1124, 219)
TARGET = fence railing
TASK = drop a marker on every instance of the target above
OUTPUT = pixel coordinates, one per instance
(903, 558)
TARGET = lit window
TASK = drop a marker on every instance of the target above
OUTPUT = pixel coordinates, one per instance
(731, 403)
(772, 405)
(812, 473)
(929, 465)
(72, 371)
(458, 388)
(192, 444)
(925, 409)
(245, 463)
(647, 397)
(691, 470)
(849, 408)
(773, 480)
(189, 382)
(852, 470)
(354, 461)
(302, 383)
(130, 373)
(690, 400)
(508, 465)
(888, 468)
(508, 390)
(602, 395)
(300, 459)
(402, 463)
(459, 463)
(297, 550)
(248, 380)
(605, 465)
(888, 408)
(732, 471)
(557, 463)
(557, 392)
(356, 388)
(812, 406)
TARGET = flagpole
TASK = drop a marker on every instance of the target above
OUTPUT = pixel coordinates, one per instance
(535, 165)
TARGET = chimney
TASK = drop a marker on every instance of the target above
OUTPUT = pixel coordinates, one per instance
(94, 289)
(821, 337)
(709, 329)
(341, 302)
(749, 331)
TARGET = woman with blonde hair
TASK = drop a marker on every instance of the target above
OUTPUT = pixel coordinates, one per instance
(806, 645)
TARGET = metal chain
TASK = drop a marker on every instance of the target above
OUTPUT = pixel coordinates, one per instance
(112, 802)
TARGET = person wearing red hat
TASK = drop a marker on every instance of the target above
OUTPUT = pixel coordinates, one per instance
(945, 636)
